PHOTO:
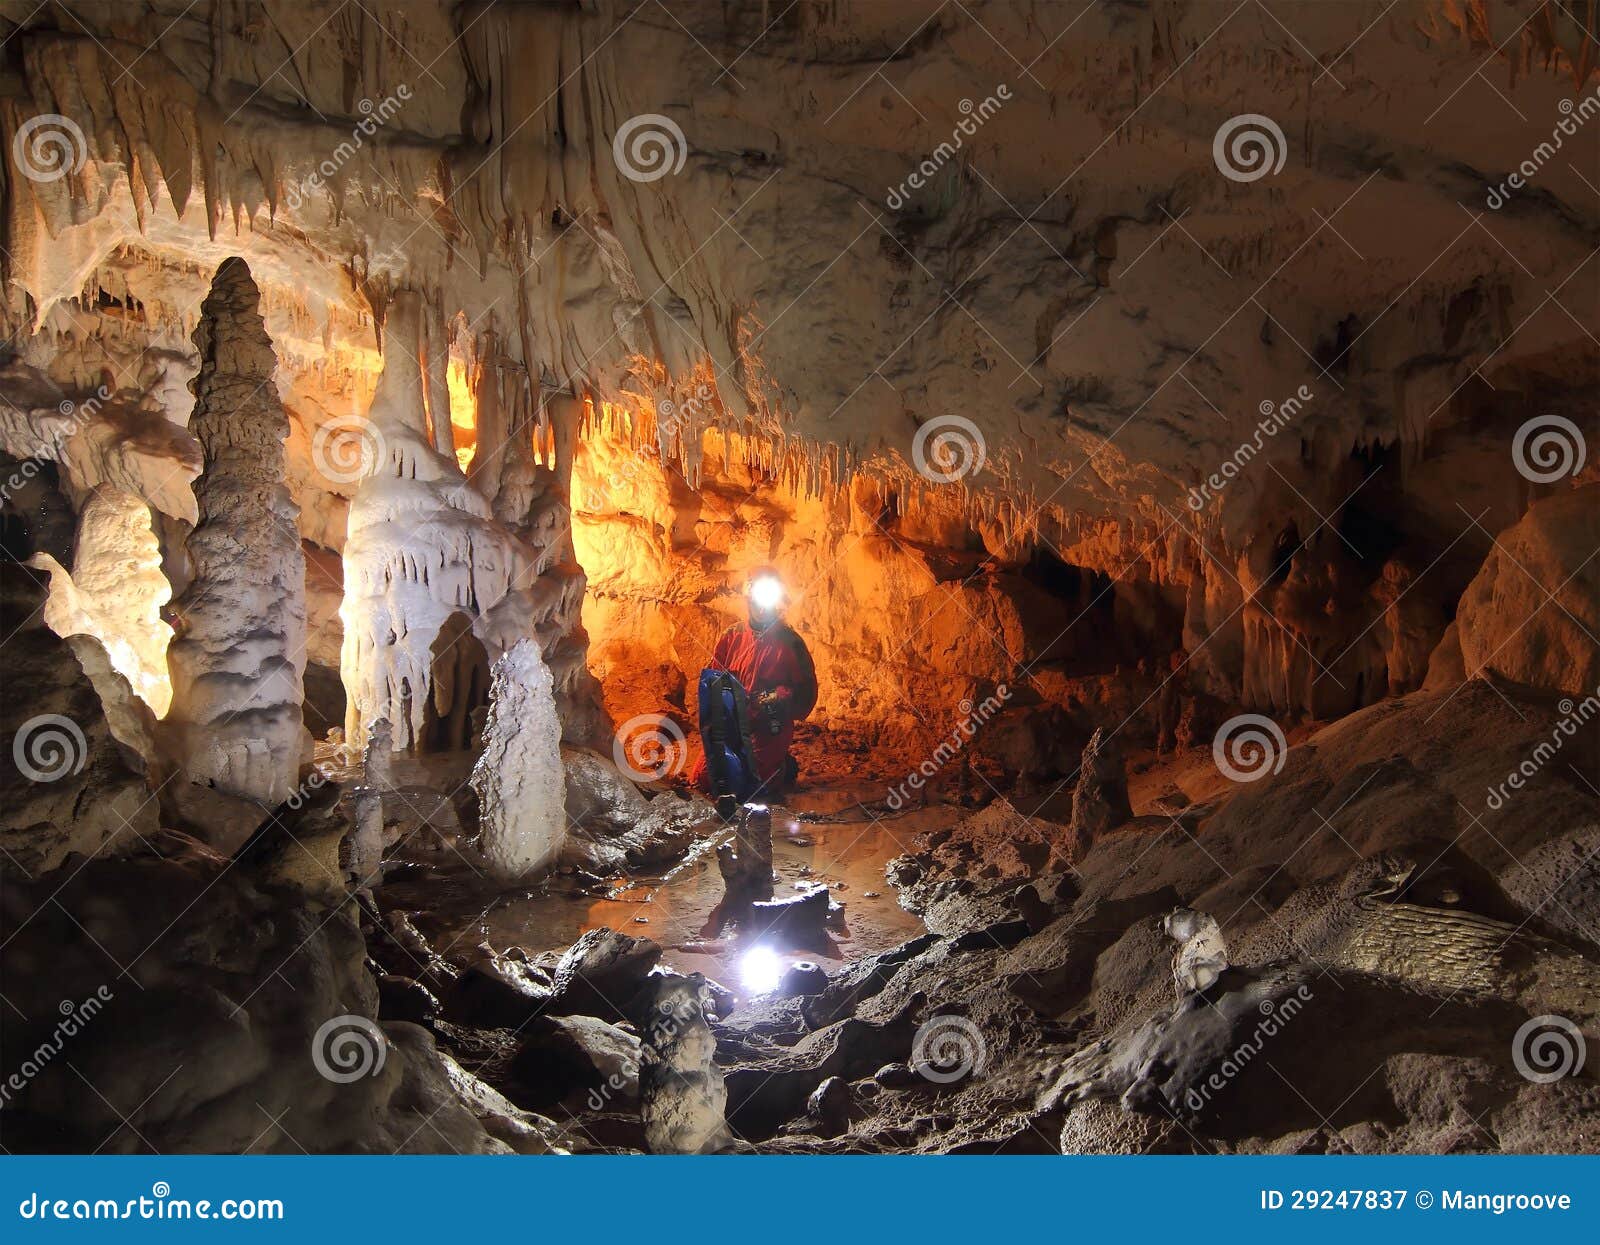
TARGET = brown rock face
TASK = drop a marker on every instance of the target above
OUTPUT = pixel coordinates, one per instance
(239, 653)
(1532, 615)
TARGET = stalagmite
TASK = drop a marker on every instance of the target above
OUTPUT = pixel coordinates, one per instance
(365, 851)
(239, 652)
(681, 1092)
(1100, 800)
(435, 589)
(377, 761)
(519, 780)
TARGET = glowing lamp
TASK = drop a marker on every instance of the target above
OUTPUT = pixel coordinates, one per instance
(767, 592)
(760, 970)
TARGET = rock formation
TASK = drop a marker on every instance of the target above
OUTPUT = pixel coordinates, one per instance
(518, 775)
(1100, 798)
(1532, 613)
(1202, 953)
(681, 1093)
(435, 588)
(238, 651)
(115, 592)
(66, 783)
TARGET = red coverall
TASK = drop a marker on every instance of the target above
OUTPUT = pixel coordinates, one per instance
(773, 661)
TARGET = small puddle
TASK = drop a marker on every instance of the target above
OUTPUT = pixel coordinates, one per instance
(847, 852)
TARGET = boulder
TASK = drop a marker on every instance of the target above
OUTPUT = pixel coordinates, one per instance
(577, 1061)
(601, 973)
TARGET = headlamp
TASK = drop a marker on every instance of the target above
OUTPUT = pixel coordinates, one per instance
(766, 592)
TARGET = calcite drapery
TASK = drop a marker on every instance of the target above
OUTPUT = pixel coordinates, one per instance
(238, 655)
(435, 588)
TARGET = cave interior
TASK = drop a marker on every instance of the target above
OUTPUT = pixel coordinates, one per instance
(1171, 428)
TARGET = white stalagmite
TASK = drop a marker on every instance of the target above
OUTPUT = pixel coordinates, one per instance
(239, 652)
(519, 778)
(433, 586)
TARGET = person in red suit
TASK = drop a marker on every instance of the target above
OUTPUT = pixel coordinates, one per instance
(772, 662)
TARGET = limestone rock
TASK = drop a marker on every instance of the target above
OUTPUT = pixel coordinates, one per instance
(435, 588)
(577, 1061)
(611, 826)
(115, 592)
(600, 974)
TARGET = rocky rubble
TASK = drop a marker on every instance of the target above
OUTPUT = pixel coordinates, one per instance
(1380, 968)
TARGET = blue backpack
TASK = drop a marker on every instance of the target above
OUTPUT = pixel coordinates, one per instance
(725, 732)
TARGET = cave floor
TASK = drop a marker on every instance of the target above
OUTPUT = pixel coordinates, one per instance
(824, 834)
